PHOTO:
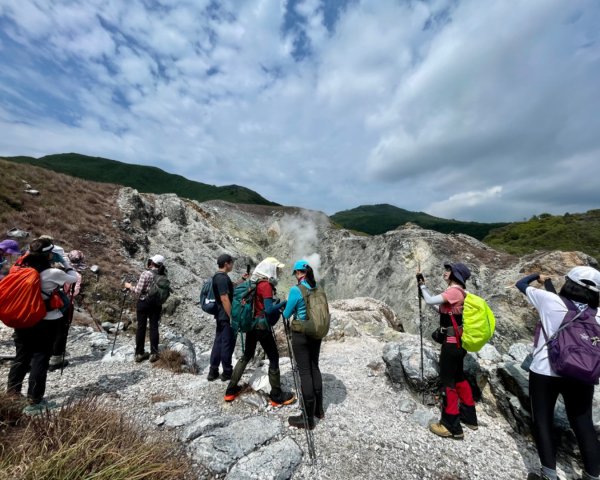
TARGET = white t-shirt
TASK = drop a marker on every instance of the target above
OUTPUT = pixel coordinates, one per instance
(52, 278)
(552, 311)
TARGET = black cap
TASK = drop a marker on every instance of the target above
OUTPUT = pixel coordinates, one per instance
(223, 259)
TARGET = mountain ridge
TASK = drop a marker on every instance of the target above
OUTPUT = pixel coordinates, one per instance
(380, 218)
(145, 178)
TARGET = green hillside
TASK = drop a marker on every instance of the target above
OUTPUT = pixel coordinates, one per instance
(376, 219)
(576, 231)
(143, 178)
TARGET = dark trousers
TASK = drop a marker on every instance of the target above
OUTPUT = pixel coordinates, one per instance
(455, 387)
(33, 350)
(544, 391)
(267, 341)
(306, 353)
(147, 312)
(60, 341)
(223, 347)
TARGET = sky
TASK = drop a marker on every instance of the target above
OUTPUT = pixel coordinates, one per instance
(485, 111)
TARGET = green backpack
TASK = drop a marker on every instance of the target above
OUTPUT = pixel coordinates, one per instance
(478, 323)
(316, 324)
(242, 307)
(159, 289)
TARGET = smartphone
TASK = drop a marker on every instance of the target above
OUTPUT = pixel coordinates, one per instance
(248, 269)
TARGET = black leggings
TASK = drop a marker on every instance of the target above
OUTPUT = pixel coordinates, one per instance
(544, 391)
(306, 353)
(266, 339)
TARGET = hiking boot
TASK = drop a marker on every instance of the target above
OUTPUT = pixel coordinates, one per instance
(468, 416)
(225, 377)
(57, 366)
(539, 476)
(213, 374)
(140, 357)
(319, 410)
(304, 419)
(440, 430)
(232, 393)
(280, 398)
(154, 357)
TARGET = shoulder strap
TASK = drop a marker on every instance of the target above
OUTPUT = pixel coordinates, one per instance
(563, 325)
(303, 291)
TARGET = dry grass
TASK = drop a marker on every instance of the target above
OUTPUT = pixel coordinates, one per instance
(171, 360)
(78, 214)
(86, 440)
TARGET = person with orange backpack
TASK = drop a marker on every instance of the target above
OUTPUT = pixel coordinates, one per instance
(457, 397)
(33, 343)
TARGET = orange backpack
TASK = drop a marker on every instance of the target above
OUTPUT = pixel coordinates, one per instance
(21, 302)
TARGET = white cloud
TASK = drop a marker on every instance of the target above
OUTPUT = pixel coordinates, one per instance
(439, 105)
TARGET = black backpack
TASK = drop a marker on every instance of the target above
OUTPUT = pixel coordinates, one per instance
(208, 302)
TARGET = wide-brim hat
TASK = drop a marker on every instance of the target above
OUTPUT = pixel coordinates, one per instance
(460, 271)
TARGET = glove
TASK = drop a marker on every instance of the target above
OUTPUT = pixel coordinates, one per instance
(420, 278)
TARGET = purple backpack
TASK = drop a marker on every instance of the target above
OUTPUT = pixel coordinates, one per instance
(574, 349)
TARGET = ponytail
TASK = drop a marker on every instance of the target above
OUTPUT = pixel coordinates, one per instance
(310, 277)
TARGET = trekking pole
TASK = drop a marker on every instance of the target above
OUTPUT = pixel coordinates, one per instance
(125, 291)
(70, 313)
(421, 335)
(310, 441)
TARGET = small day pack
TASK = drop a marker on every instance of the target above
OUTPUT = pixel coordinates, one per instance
(574, 349)
(21, 302)
(159, 289)
(318, 318)
(208, 302)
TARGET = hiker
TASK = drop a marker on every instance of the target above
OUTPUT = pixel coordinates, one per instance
(7, 248)
(457, 398)
(266, 314)
(34, 344)
(224, 344)
(545, 385)
(306, 350)
(148, 311)
(71, 290)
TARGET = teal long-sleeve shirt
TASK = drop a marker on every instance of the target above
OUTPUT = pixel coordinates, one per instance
(295, 303)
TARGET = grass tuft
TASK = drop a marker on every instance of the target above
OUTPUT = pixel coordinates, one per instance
(171, 360)
(84, 439)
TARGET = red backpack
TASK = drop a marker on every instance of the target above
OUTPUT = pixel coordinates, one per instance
(21, 302)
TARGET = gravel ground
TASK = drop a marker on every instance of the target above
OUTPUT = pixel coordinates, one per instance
(371, 429)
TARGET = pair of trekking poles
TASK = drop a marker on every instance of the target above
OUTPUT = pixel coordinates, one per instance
(310, 440)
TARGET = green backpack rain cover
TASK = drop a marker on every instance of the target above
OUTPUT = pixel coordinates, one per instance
(478, 323)
(317, 312)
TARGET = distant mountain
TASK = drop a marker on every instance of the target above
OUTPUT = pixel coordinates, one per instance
(143, 178)
(571, 231)
(377, 219)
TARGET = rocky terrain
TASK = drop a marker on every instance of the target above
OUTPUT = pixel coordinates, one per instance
(377, 404)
